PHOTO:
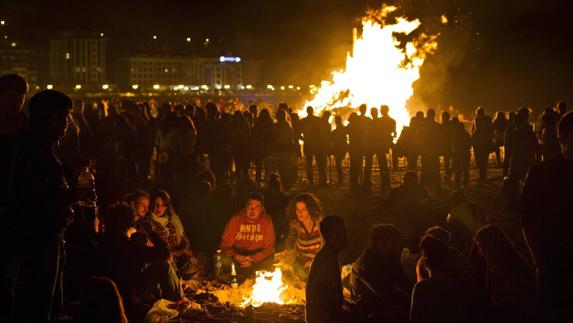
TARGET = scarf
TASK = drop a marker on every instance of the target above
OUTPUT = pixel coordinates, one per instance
(174, 219)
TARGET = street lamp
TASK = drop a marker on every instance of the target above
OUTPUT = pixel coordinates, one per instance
(156, 86)
(154, 37)
(135, 86)
(188, 39)
(105, 86)
(49, 86)
(78, 86)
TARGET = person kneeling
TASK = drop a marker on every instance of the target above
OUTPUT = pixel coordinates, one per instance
(249, 239)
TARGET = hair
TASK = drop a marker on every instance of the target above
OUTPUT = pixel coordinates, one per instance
(133, 196)
(384, 109)
(100, 302)
(312, 204)
(256, 196)
(383, 233)
(119, 217)
(48, 103)
(13, 81)
(565, 127)
(328, 224)
(164, 196)
(435, 252)
(495, 241)
(282, 115)
(431, 114)
(522, 115)
(265, 117)
(309, 110)
(439, 233)
(362, 108)
(338, 120)
(275, 183)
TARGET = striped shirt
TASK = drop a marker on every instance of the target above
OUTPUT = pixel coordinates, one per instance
(307, 243)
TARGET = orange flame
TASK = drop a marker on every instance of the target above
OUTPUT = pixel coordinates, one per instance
(380, 70)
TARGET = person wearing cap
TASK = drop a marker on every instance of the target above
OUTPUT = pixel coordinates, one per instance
(249, 238)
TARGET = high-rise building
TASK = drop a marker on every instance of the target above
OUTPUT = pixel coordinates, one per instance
(78, 58)
(147, 70)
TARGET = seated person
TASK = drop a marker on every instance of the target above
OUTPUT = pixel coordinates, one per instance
(442, 297)
(324, 300)
(168, 226)
(464, 220)
(137, 269)
(304, 232)
(139, 200)
(378, 284)
(458, 264)
(249, 238)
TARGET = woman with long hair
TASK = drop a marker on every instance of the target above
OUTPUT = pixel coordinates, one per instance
(165, 222)
(304, 237)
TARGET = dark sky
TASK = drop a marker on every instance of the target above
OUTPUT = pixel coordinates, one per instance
(499, 54)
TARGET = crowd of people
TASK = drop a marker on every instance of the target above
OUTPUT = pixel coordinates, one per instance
(107, 206)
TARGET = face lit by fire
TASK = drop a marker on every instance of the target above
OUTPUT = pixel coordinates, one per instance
(141, 206)
(254, 209)
(159, 207)
(302, 212)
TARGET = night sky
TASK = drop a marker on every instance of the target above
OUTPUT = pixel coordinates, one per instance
(498, 54)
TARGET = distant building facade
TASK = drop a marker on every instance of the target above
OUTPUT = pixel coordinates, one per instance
(78, 58)
(166, 70)
(17, 60)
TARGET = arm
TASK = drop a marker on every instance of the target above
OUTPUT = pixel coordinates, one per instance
(268, 244)
(292, 237)
(228, 239)
(159, 252)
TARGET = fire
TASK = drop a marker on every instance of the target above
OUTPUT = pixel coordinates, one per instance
(380, 69)
(268, 288)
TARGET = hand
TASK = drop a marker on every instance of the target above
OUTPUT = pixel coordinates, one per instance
(246, 263)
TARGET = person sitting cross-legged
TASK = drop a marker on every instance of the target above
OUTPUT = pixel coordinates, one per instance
(248, 240)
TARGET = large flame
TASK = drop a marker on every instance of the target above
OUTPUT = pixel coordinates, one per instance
(268, 288)
(380, 69)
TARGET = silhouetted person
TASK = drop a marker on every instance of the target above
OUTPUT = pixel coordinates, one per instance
(381, 135)
(549, 143)
(276, 203)
(442, 297)
(378, 284)
(13, 124)
(445, 151)
(339, 142)
(460, 145)
(561, 107)
(44, 199)
(508, 279)
(324, 287)
(262, 140)
(499, 126)
(406, 144)
(217, 141)
(100, 302)
(522, 150)
(482, 141)
(241, 139)
(545, 211)
(311, 128)
(284, 148)
(427, 137)
(464, 220)
(356, 137)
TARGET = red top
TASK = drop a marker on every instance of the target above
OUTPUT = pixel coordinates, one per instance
(249, 238)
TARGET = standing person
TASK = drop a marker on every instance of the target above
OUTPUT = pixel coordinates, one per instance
(249, 238)
(380, 135)
(499, 126)
(241, 138)
(460, 145)
(310, 127)
(324, 287)
(43, 197)
(522, 150)
(284, 148)
(364, 124)
(482, 141)
(427, 137)
(217, 141)
(508, 279)
(262, 140)
(545, 211)
(445, 151)
(355, 138)
(389, 135)
(378, 284)
(339, 143)
(549, 142)
(406, 145)
(304, 238)
(13, 124)
(276, 203)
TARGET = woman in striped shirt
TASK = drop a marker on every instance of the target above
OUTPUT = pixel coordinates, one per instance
(304, 237)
